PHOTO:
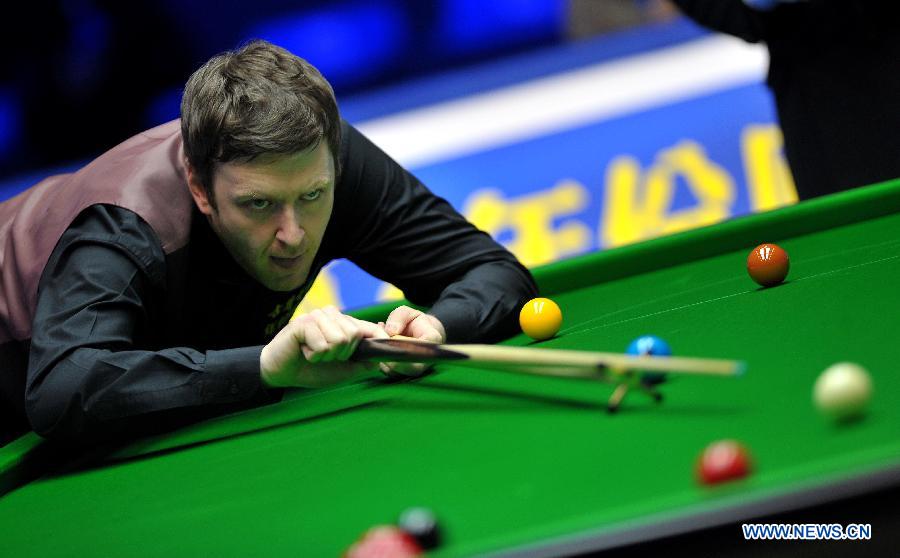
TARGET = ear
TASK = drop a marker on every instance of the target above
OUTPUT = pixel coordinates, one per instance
(198, 192)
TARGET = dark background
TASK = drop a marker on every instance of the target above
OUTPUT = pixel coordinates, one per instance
(79, 76)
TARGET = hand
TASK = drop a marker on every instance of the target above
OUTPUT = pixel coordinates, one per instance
(312, 350)
(412, 323)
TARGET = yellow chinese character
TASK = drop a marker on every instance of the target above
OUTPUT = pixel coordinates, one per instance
(639, 205)
(769, 180)
(532, 218)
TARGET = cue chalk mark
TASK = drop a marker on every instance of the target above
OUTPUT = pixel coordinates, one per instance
(575, 329)
(833, 271)
(677, 308)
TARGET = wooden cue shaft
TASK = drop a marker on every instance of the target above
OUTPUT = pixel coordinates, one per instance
(590, 373)
(569, 363)
(534, 357)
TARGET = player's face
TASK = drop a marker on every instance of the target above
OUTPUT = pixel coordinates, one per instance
(271, 213)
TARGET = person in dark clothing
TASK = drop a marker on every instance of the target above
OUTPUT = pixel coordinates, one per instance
(155, 285)
(833, 72)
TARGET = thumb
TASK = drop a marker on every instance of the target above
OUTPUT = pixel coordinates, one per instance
(400, 318)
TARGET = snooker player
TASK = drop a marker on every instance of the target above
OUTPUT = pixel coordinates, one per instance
(153, 287)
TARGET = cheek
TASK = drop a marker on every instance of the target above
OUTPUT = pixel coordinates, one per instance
(324, 217)
(253, 238)
(261, 239)
(322, 223)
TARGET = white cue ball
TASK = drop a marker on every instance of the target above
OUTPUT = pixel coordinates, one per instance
(843, 391)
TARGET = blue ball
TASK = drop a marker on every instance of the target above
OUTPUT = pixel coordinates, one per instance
(649, 345)
(654, 346)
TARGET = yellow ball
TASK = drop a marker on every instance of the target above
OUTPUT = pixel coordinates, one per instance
(540, 318)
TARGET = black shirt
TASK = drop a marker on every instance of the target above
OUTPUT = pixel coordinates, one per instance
(127, 338)
(833, 72)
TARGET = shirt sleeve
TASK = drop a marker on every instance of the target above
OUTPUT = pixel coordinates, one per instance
(732, 17)
(93, 371)
(396, 229)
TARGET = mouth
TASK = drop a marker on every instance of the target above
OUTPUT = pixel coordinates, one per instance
(287, 263)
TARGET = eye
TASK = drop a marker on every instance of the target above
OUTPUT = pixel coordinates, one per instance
(257, 204)
(312, 196)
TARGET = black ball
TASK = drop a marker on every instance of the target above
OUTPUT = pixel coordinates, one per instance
(421, 524)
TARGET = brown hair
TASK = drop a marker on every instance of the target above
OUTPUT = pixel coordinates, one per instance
(259, 99)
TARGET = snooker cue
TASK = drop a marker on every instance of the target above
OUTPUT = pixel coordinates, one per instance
(531, 360)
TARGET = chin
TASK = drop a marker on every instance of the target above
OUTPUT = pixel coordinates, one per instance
(284, 285)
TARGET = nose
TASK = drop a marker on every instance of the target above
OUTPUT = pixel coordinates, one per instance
(289, 230)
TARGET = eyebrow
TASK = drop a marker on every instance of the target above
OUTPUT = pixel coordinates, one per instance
(252, 191)
(248, 193)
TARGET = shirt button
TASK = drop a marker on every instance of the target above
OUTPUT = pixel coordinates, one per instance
(235, 389)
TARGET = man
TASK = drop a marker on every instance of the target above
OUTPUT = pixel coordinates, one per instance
(833, 74)
(150, 288)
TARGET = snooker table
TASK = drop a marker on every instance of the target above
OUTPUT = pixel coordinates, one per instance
(520, 465)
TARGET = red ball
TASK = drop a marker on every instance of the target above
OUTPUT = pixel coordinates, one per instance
(723, 461)
(768, 264)
(385, 541)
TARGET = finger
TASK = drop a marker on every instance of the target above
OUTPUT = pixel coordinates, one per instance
(380, 331)
(400, 318)
(333, 333)
(408, 369)
(329, 321)
(392, 370)
(351, 331)
(370, 330)
(296, 329)
(280, 353)
(314, 343)
(423, 328)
